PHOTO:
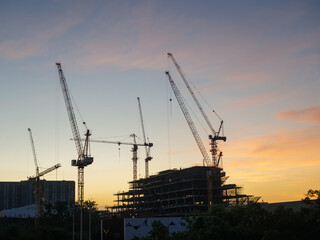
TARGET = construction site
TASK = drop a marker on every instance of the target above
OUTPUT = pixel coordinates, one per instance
(169, 193)
(140, 120)
(178, 192)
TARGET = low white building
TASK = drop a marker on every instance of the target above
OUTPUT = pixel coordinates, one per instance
(141, 227)
(21, 212)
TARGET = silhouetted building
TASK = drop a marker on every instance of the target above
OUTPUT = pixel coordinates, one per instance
(178, 192)
(18, 194)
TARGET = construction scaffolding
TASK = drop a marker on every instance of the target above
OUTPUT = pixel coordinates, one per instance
(178, 192)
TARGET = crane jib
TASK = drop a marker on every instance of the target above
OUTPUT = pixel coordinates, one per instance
(188, 118)
(72, 118)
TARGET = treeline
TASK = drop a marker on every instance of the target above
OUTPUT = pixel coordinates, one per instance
(248, 222)
(251, 221)
(62, 221)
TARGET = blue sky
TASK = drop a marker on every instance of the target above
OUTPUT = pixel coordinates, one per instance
(255, 62)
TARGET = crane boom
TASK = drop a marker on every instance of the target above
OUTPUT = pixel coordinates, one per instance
(215, 135)
(148, 157)
(72, 117)
(134, 150)
(121, 143)
(140, 111)
(34, 152)
(206, 159)
(192, 93)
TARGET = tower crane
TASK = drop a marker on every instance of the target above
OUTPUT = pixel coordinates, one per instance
(147, 148)
(37, 192)
(206, 159)
(84, 158)
(134, 150)
(215, 135)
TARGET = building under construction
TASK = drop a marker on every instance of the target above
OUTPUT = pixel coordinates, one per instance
(178, 192)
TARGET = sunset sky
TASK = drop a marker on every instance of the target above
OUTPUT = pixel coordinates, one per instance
(256, 63)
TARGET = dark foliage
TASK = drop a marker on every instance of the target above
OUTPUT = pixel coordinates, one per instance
(55, 223)
(249, 222)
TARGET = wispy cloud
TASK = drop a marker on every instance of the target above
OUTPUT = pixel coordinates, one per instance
(39, 37)
(118, 54)
(17, 49)
(311, 114)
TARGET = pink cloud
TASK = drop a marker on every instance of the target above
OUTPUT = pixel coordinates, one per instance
(311, 114)
(117, 54)
(142, 39)
(255, 100)
(17, 49)
(261, 98)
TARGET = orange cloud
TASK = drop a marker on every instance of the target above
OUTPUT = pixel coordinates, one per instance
(311, 114)
(279, 166)
(280, 150)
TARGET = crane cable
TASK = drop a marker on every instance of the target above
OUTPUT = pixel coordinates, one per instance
(169, 113)
(188, 105)
(194, 114)
(198, 92)
(77, 108)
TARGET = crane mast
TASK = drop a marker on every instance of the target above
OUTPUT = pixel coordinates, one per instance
(215, 135)
(206, 159)
(148, 157)
(134, 157)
